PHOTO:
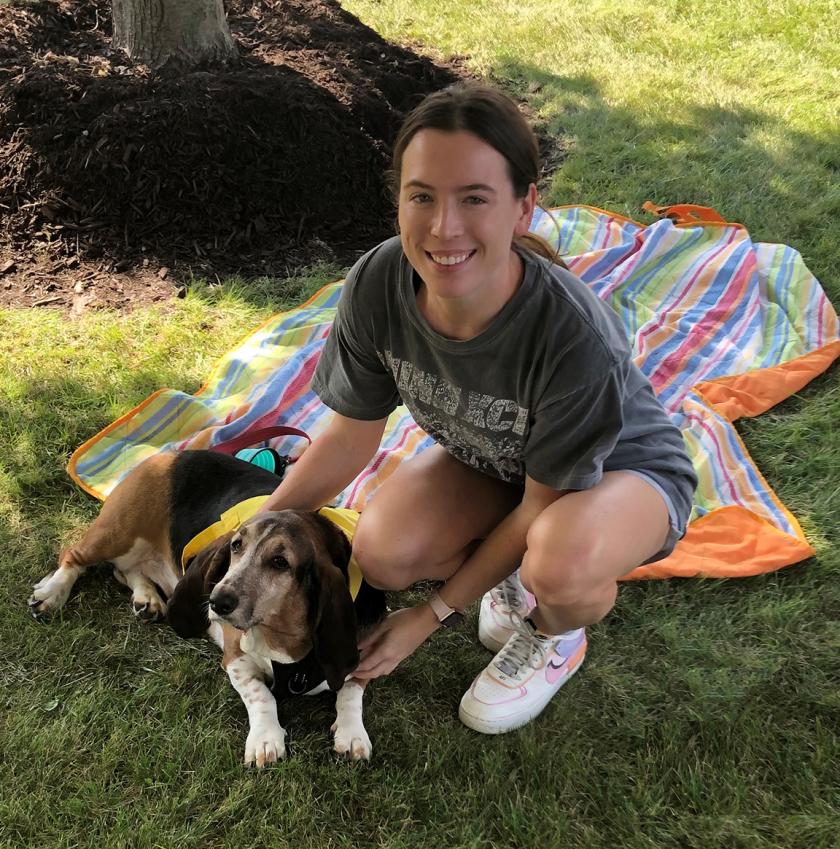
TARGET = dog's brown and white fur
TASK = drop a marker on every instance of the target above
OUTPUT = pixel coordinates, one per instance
(273, 592)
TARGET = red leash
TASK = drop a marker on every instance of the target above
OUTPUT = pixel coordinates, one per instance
(246, 440)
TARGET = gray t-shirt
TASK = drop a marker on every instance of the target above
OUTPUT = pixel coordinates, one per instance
(548, 389)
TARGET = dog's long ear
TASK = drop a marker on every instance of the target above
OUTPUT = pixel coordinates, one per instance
(335, 632)
(187, 607)
(336, 542)
(335, 629)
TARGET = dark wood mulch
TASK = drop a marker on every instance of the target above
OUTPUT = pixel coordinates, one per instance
(115, 185)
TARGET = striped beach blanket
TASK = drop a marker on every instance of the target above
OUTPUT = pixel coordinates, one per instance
(723, 327)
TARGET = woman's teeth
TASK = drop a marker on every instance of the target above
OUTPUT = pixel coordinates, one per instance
(451, 260)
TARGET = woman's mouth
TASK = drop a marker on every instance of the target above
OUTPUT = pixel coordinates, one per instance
(450, 260)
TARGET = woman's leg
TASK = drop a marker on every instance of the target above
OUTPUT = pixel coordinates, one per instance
(577, 548)
(425, 519)
(582, 543)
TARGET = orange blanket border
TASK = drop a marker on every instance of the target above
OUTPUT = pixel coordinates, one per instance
(74, 457)
(744, 544)
(755, 392)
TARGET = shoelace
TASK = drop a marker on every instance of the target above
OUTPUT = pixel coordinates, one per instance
(509, 592)
(523, 649)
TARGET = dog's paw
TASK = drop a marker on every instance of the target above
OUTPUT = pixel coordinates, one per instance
(352, 741)
(265, 745)
(149, 607)
(49, 594)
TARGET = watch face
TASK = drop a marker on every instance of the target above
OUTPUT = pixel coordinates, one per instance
(453, 620)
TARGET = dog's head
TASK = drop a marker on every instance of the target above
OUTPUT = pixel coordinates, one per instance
(281, 577)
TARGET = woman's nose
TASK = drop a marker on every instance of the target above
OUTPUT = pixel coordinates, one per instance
(446, 221)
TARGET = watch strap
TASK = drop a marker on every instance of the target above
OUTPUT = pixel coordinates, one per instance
(441, 609)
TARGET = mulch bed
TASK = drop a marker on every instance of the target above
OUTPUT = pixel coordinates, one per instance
(116, 185)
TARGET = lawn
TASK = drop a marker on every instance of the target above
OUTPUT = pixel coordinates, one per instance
(707, 713)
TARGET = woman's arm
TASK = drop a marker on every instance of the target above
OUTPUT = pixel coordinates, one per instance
(494, 559)
(500, 554)
(328, 465)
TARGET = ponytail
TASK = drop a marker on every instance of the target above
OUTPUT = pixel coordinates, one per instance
(541, 247)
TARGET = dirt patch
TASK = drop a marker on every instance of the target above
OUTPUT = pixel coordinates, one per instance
(116, 186)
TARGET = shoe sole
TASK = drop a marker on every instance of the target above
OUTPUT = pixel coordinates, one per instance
(501, 726)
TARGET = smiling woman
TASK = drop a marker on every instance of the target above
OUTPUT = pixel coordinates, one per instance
(467, 170)
(556, 470)
(457, 210)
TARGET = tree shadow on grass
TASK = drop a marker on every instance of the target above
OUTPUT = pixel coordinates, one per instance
(611, 157)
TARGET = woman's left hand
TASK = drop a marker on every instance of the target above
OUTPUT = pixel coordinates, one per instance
(394, 639)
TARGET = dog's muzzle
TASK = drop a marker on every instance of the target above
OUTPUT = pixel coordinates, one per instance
(223, 602)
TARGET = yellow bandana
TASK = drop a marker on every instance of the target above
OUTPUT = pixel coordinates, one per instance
(232, 518)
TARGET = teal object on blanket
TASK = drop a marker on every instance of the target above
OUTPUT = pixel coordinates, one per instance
(265, 458)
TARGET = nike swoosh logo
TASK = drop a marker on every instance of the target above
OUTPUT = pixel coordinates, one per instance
(555, 670)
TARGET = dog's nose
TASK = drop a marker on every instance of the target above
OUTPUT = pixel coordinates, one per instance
(223, 602)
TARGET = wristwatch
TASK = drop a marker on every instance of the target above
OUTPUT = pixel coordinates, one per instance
(447, 616)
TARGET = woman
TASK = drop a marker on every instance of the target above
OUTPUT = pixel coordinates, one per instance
(553, 454)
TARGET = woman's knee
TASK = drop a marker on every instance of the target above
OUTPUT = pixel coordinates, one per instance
(561, 562)
(388, 560)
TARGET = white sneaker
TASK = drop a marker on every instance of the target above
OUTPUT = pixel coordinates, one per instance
(494, 617)
(521, 679)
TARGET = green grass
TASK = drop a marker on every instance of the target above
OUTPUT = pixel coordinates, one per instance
(708, 712)
(730, 105)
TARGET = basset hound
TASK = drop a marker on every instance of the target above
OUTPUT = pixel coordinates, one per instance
(274, 593)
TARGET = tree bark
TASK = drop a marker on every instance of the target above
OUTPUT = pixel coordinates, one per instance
(173, 35)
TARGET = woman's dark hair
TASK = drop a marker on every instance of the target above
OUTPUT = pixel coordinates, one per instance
(497, 121)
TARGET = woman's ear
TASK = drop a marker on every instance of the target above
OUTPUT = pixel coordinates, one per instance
(527, 206)
(186, 611)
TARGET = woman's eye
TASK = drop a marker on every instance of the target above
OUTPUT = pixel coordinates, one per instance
(475, 200)
(279, 562)
(236, 545)
(420, 198)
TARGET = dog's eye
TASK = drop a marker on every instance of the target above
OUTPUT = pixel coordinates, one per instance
(279, 562)
(236, 545)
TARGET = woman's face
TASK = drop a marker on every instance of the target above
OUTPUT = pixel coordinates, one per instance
(458, 215)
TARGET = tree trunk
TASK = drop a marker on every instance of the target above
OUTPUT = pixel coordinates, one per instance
(174, 35)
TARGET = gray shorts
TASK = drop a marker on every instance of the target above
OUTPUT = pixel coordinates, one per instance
(678, 523)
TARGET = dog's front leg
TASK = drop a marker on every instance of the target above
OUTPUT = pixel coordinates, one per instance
(266, 741)
(351, 738)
